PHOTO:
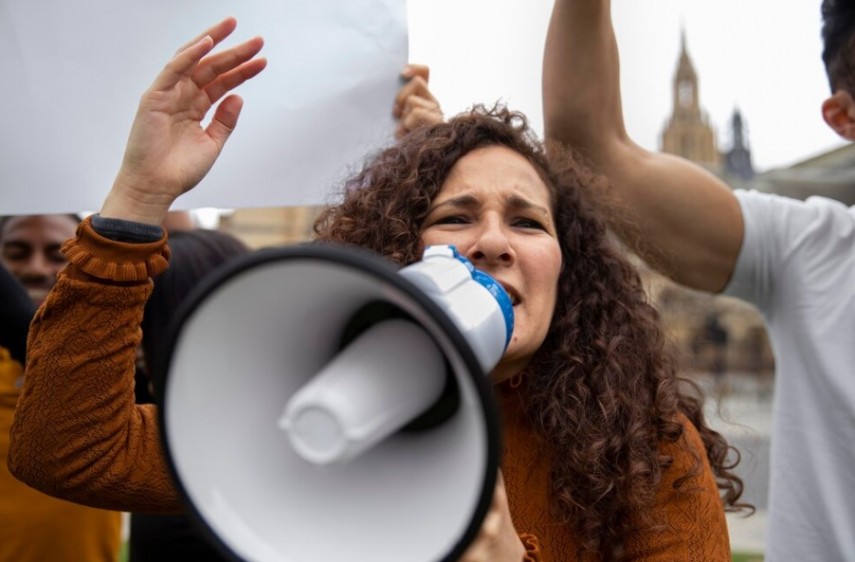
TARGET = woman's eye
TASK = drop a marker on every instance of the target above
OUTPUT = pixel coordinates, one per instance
(529, 223)
(452, 219)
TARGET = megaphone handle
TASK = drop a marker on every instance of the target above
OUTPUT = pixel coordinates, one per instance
(377, 384)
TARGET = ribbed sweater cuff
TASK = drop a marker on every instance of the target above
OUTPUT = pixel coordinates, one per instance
(100, 257)
(122, 230)
(532, 547)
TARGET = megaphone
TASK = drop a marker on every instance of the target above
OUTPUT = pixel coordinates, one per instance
(318, 404)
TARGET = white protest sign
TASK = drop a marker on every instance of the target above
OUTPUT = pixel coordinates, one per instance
(73, 72)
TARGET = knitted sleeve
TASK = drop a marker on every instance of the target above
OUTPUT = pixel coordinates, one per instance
(695, 527)
(77, 433)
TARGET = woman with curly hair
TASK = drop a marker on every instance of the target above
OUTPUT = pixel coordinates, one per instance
(599, 437)
(605, 457)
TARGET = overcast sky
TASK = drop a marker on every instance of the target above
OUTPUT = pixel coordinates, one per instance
(762, 56)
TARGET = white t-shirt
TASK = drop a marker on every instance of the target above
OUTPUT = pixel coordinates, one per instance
(797, 265)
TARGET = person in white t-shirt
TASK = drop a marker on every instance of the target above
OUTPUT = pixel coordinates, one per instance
(794, 260)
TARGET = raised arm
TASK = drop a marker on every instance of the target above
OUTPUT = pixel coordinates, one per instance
(683, 220)
(77, 433)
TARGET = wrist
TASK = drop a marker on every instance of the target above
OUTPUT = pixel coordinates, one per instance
(133, 204)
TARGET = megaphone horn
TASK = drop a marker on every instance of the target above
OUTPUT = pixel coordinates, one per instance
(290, 376)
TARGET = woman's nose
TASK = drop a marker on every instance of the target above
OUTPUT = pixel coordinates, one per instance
(492, 246)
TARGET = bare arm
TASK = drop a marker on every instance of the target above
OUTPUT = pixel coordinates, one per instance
(684, 221)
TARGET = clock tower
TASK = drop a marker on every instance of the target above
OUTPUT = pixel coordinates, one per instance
(688, 132)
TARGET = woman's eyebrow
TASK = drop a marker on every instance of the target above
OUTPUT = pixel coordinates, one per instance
(462, 201)
(522, 203)
(471, 202)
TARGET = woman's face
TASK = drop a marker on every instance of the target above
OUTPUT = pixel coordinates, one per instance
(496, 209)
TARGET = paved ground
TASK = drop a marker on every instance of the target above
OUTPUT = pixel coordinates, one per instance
(747, 535)
(744, 416)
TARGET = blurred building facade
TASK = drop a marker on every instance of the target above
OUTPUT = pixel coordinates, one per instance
(712, 334)
(271, 227)
(716, 333)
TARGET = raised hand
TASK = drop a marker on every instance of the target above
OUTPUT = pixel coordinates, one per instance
(415, 105)
(168, 150)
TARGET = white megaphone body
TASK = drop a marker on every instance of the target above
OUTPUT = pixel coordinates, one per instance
(394, 371)
(319, 405)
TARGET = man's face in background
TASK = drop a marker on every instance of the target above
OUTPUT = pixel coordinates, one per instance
(30, 250)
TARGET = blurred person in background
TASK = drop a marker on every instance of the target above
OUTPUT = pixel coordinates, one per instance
(35, 527)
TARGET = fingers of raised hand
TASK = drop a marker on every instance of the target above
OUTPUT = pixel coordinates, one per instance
(218, 66)
(182, 64)
(217, 33)
(224, 120)
(191, 61)
(233, 79)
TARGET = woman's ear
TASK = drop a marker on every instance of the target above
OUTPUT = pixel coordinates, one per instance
(839, 112)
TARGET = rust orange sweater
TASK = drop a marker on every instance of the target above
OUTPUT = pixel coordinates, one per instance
(35, 527)
(695, 530)
(78, 435)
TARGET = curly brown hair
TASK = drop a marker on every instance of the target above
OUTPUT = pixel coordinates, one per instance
(602, 388)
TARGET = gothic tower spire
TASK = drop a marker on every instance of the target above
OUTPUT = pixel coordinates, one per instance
(737, 160)
(688, 132)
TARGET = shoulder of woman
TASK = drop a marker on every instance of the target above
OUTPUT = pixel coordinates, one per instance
(690, 438)
(688, 457)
